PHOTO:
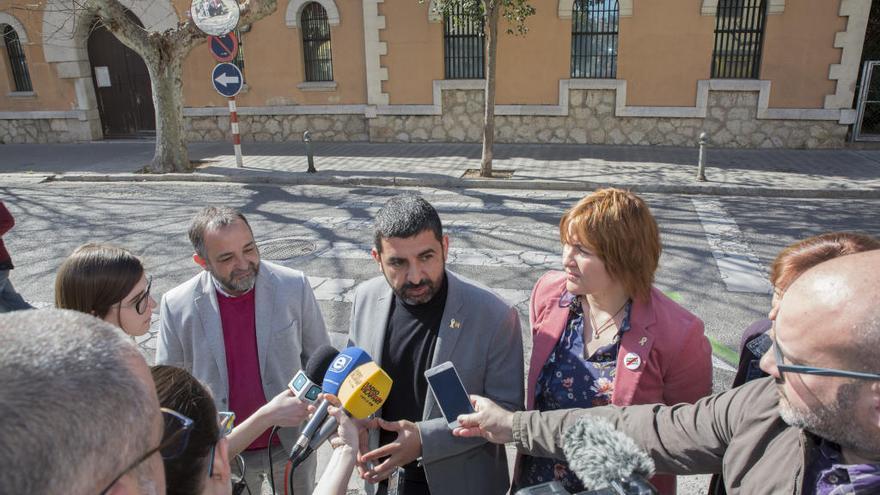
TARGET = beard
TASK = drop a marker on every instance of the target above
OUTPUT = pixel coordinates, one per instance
(239, 280)
(836, 422)
(419, 293)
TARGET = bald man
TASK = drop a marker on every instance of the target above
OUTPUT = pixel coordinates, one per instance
(812, 427)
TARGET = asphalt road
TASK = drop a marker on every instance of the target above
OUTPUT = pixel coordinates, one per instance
(504, 239)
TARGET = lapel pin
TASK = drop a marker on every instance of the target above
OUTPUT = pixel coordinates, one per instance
(632, 361)
(643, 340)
(453, 323)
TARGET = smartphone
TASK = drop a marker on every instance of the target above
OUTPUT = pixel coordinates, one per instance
(449, 392)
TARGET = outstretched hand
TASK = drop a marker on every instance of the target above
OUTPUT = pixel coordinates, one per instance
(406, 448)
(489, 421)
(285, 409)
(347, 429)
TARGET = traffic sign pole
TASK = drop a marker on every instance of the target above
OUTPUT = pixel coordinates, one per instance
(236, 137)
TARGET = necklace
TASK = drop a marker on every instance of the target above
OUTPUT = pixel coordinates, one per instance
(598, 329)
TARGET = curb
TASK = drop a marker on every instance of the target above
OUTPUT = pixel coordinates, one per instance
(707, 189)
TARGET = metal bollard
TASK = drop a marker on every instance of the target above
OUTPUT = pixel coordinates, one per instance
(701, 163)
(307, 138)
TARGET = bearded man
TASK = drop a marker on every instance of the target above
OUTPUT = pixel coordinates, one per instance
(414, 316)
(244, 327)
(812, 427)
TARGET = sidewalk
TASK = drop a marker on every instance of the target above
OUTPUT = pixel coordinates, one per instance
(844, 173)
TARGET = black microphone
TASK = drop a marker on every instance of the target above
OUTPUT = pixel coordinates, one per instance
(340, 366)
(305, 384)
(607, 461)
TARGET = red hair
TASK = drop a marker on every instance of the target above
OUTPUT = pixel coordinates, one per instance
(619, 227)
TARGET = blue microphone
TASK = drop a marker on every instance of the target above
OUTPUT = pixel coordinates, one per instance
(344, 363)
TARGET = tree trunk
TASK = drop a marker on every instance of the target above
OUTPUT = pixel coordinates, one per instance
(493, 9)
(166, 78)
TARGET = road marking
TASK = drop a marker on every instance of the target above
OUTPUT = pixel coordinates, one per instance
(738, 265)
(722, 365)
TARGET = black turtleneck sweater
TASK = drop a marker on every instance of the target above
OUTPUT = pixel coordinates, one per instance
(406, 354)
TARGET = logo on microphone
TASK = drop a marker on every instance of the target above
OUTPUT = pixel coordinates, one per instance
(340, 363)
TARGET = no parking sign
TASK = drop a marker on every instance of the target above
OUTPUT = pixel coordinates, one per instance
(223, 48)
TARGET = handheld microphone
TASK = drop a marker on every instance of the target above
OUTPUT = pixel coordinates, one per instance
(362, 393)
(605, 460)
(343, 364)
(304, 384)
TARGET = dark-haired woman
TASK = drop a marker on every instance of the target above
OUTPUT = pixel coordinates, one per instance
(107, 282)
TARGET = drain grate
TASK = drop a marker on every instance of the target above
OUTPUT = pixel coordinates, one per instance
(285, 248)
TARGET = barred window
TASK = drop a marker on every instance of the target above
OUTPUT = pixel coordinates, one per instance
(316, 43)
(239, 56)
(463, 45)
(739, 39)
(594, 38)
(17, 62)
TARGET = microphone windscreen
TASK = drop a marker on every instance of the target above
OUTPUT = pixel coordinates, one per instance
(364, 390)
(344, 362)
(598, 454)
(319, 361)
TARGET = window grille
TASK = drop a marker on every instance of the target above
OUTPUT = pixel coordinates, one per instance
(463, 45)
(239, 56)
(17, 61)
(739, 38)
(594, 38)
(316, 43)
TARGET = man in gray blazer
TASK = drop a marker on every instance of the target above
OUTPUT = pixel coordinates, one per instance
(244, 327)
(416, 316)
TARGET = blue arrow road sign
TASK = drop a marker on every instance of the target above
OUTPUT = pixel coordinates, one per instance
(223, 48)
(227, 79)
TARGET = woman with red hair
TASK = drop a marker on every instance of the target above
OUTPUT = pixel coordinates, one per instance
(602, 334)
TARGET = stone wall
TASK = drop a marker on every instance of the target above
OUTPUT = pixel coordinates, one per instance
(41, 131)
(731, 122)
(278, 128)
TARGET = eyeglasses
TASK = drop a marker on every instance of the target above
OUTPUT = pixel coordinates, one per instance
(175, 437)
(142, 303)
(811, 370)
(227, 422)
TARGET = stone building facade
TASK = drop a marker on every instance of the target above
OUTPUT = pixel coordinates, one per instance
(389, 80)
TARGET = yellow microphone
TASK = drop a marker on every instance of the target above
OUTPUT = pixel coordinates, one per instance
(364, 390)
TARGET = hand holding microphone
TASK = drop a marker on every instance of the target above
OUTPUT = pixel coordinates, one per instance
(362, 388)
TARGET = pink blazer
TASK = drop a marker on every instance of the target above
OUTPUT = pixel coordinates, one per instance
(675, 356)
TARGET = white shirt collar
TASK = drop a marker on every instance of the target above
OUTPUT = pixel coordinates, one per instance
(219, 287)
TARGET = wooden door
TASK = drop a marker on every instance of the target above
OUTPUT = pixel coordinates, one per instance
(122, 86)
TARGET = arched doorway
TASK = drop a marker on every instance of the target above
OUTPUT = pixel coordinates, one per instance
(122, 85)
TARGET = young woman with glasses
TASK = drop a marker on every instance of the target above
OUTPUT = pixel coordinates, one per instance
(202, 468)
(108, 282)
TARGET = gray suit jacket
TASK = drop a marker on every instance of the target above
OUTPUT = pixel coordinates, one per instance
(485, 345)
(289, 328)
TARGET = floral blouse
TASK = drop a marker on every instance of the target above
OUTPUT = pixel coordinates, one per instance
(570, 381)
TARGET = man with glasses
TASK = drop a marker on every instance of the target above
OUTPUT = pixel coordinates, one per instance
(812, 427)
(80, 412)
(244, 327)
